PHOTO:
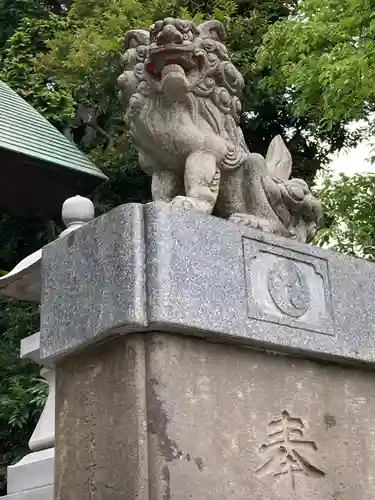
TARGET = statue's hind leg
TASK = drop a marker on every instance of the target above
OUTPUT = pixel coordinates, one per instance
(231, 194)
(166, 185)
(202, 179)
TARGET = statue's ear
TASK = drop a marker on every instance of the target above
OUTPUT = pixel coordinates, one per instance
(212, 29)
(134, 38)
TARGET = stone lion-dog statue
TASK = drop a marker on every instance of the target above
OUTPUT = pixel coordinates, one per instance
(180, 93)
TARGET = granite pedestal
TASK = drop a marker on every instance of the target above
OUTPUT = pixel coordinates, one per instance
(200, 359)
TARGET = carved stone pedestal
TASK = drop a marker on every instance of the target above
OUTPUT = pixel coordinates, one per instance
(198, 359)
(167, 417)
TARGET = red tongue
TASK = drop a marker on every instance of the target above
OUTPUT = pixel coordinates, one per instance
(150, 68)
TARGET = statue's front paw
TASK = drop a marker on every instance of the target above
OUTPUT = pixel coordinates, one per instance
(247, 220)
(196, 204)
(183, 202)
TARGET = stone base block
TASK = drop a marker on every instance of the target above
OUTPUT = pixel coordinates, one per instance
(37, 494)
(35, 470)
(164, 417)
(142, 268)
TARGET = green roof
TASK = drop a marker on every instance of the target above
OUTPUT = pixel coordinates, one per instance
(23, 130)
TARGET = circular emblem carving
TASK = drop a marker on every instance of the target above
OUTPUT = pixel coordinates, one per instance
(288, 288)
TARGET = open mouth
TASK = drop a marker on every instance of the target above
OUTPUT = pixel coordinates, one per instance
(171, 56)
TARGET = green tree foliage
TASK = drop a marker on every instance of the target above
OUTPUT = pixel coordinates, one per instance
(86, 58)
(325, 57)
(13, 12)
(22, 392)
(22, 74)
(349, 203)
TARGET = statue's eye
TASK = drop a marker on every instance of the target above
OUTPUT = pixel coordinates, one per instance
(186, 36)
(158, 25)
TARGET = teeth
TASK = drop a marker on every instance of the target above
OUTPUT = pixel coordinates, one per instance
(172, 68)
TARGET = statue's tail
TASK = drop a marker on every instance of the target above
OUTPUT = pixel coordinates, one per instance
(291, 199)
(278, 160)
(272, 200)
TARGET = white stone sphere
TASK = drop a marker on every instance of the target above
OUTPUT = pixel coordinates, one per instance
(77, 210)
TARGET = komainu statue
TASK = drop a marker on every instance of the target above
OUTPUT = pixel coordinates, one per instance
(181, 96)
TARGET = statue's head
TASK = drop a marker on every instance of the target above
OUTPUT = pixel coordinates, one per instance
(176, 56)
(179, 47)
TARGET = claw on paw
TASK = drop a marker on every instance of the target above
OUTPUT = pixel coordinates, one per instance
(249, 220)
(183, 202)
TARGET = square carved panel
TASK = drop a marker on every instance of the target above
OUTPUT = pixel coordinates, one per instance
(287, 287)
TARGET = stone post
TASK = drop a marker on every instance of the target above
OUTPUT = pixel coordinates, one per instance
(198, 359)
(32, 478)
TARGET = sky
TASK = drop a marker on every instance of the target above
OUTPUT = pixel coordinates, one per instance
(352, 161)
